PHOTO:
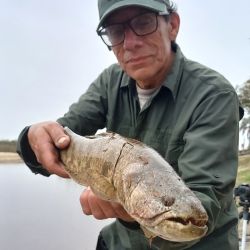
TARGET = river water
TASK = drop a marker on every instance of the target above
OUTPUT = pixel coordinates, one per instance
(40, 213)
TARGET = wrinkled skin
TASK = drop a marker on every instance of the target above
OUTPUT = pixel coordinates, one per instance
(126, 171)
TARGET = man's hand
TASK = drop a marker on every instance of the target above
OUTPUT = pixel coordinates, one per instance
(101, 209)
(45, 139)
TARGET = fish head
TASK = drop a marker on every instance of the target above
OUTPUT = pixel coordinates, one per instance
(178, 225)
(163, 205)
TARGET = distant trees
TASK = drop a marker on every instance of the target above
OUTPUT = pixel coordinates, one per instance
(7, 146)
(244, 96)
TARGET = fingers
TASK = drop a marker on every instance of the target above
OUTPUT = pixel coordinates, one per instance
(92, 205)
(101, 209)
(49, 158)
(57, 134)
(44, 139)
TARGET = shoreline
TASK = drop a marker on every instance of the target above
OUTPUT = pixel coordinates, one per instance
(9, 157)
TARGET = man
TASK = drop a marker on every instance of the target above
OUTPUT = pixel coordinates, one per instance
(186, 111)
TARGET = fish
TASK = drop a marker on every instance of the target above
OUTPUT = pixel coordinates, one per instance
(129, 172)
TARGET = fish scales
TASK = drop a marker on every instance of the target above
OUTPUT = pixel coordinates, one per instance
(129, 172)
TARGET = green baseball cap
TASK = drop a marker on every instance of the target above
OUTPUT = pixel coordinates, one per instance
(106, 7)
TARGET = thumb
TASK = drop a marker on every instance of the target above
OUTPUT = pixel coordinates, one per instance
(63, 141)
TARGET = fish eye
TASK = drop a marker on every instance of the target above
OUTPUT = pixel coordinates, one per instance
(168, 201)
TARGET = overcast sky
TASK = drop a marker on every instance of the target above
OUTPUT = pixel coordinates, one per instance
(50, 53)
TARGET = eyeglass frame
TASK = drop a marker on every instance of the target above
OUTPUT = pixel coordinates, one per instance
(127, 23)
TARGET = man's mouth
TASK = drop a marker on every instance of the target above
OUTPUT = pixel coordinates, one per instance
(136, 60)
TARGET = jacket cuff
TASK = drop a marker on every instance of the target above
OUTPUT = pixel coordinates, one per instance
(27, 154)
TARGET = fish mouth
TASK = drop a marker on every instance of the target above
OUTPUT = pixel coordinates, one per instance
(199, 221)
(189, 221)
(177, 232)
(177, 229)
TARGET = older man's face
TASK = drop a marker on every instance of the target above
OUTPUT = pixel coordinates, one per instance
(147, 59)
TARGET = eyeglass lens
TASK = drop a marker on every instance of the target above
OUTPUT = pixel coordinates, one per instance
(141, 25)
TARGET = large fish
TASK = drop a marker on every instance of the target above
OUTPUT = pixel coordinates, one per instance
(129, 172)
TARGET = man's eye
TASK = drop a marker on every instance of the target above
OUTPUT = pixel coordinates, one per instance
(114, 31)
(144, 21)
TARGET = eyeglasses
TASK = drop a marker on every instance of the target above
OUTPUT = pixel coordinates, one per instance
(142, 25)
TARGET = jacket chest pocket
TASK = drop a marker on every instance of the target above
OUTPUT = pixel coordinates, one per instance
(169, 144)
(173, 153)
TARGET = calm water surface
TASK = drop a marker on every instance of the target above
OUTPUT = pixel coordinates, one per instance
(39, 213)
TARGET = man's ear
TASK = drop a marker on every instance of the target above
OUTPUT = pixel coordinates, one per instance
(174, 22)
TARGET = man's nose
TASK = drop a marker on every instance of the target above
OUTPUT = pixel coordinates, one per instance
(131, 40)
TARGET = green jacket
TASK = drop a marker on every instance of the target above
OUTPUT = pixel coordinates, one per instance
(192, 122)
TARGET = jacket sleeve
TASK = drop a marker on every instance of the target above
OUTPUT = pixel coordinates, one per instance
(88, 115)
(84, 117)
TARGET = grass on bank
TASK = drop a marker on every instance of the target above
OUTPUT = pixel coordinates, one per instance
(244, 170)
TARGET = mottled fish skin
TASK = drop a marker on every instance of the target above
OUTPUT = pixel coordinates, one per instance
(129, 172)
